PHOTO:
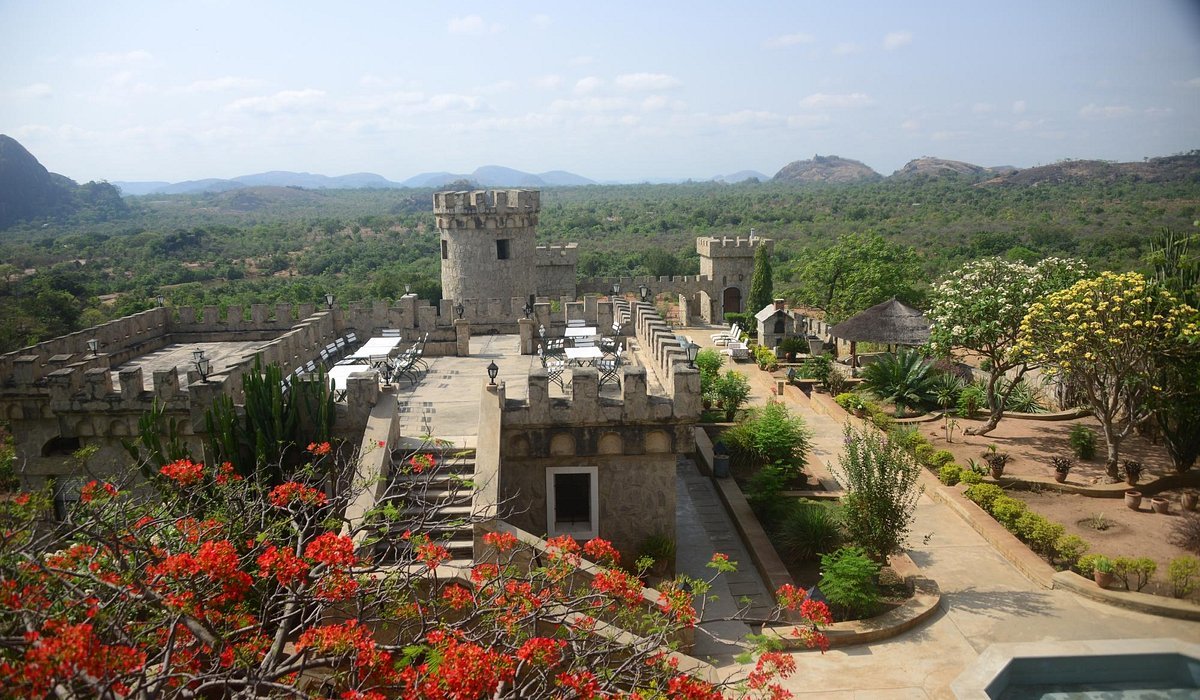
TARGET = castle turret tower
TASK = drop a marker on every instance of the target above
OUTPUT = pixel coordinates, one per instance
(488, 246)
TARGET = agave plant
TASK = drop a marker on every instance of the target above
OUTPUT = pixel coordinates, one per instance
(905, 378)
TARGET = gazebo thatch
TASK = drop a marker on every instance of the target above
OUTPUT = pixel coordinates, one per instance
(891, 322)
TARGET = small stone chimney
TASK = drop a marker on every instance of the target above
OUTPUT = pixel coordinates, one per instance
(780, 305)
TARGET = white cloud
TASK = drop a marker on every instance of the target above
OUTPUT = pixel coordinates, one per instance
(947, 135)
(114, 58)
(654, 103)
(910, 125)
(846, 48)
(1094, 111)
(777, 42)
(646, 81)
(540, 21)
(821, 100)
(278, 102)
(548, 82)
(228, 82)
(33, 91)
(452, 102)
(586, 85)
(894, 40)
(1193, 83)
(1158, 112)
(1019, 107)
(471, 25)
(981, 107)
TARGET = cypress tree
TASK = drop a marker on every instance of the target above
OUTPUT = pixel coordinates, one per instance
(762, 288)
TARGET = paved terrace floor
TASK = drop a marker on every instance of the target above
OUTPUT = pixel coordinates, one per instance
(179, 356)
(984, 600)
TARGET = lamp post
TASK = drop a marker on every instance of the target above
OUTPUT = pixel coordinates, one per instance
(691, 349)
(643, 292)
(203, 364)
(459, 309)
(542, 331)
(616, 289)
(407, 289)
(93, 346)
(329, 300)
(492, 371)
(161, 300)
(527, 309)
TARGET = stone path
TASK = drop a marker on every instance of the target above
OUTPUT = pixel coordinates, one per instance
(984, 600)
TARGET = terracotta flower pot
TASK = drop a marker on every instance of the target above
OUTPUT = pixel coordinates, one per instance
(1104, 579)
(1133, 499)
(1160, 505)
(1060, 477)
(1188, 501)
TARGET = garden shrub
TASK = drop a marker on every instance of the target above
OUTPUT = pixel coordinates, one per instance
(984, 495)
(848, 581)
(881, 491)
(817, 368)
(837, 382)
(1024, 398)
(1069, 549)
(1139, 568)
(763, 493)
(709, 362)
(924, 454)
(1086, 564)
(765, 357)
(907, 438)
(1083, 441)
(940, 459)
(1186, 532)
(1041, 534)
(970, 478)
(733, 390)
(950, 474)
(970, 400)
(769, 435)
(1007, 511)
(809, 530)
(1180, 571)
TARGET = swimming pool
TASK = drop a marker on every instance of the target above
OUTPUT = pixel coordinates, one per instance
(1166, 669)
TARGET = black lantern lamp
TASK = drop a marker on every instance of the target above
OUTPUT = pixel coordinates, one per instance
(527, 309)
(492, 371)
(616, 289)
(93, 346)
(407, 289)
(643, 292)
(329, 300)
(203, 364)
(161, 300)
(542, 331)
(691, 349)
(459, 309)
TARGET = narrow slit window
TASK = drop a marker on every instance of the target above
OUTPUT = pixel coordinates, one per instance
(502, 249)
(445, 251)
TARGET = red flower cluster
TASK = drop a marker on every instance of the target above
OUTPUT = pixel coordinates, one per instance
(61, 652)
(285, 494)
(319, 449)
(466, 670)
(283, 564)
(342, 640)
(216, 560)
(183, 472)
(502, 541)
(420, 462)
(457, 597)
(619, 584)
(583, 684)
(332, 550)
(688, 688)
(94, 489)
(432, 554)
(226, 474)
(602, 551)
(336, 586)
(542, 651)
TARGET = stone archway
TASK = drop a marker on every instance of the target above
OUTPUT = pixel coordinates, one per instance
(731, 300)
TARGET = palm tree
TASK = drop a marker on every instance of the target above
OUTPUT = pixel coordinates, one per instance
(905, 378)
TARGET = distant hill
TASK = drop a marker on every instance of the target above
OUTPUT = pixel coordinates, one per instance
(28, 191)
(1177, 168)
(940, 167)
(500, 176)
(826, 169)
(741, 176)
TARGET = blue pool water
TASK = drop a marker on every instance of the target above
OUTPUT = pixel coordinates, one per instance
(1160, 676)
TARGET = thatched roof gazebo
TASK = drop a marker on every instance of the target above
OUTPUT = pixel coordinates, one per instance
(892, 323)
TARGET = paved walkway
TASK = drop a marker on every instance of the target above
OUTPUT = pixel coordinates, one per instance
(984, 600)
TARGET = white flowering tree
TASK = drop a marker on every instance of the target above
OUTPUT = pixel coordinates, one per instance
(1107, 335)
(977, 310)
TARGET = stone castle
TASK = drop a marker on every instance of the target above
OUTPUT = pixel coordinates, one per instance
(619, 444)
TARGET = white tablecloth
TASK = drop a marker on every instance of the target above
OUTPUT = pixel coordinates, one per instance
(375, 346)
(580, 332)
(582, 355)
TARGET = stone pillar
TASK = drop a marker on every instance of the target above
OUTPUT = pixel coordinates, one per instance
(130, 379)
(527, 327)
(98, 382)
(462, 336)
(25, 369)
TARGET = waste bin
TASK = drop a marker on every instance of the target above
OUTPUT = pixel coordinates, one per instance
(720, 461)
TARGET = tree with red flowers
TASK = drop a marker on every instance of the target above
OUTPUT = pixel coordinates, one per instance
(205, 584)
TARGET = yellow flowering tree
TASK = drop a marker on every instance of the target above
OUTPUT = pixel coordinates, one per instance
(1104, 336)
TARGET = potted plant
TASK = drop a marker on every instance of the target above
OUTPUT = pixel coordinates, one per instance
(995, 461)
(1103, 572)
(858, 407)
(1188, 500)
(1160, 505)
(1133, 499)
(1062, 467)
(1133, 471)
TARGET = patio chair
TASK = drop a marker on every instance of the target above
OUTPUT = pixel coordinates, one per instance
(390, 333)
(724, 337)
(610, 368)
(554, 371)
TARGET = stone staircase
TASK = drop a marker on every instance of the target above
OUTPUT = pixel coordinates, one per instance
(435, 501)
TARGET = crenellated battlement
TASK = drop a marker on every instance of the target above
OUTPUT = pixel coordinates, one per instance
(546, 255)
(726, 247)
(477, 202)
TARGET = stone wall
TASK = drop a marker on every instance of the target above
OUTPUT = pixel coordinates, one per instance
(556, 270)
(487, 239)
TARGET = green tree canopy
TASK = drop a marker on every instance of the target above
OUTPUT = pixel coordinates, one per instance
(857, 272)
(762, 287)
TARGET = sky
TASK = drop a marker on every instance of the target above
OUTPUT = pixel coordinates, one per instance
(613, 91)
